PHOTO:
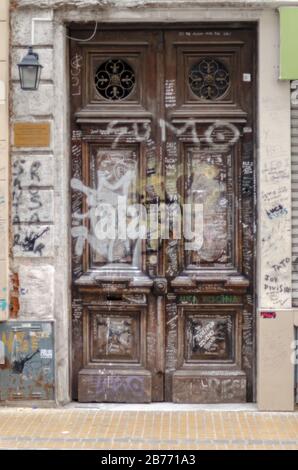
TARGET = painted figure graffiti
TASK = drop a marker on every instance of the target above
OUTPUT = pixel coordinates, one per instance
(114, 176)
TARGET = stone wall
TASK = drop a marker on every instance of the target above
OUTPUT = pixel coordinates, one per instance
(39, 196)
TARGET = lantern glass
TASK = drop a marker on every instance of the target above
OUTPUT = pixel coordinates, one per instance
(28, 77)
(30, 70)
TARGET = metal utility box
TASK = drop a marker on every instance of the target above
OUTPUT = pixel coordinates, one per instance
(26, 361)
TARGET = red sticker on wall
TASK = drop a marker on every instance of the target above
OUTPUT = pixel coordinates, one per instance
(268, 314)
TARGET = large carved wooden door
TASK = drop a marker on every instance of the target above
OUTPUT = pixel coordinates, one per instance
(162, 214)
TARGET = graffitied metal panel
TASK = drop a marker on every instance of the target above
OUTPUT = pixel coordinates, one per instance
(26, 361)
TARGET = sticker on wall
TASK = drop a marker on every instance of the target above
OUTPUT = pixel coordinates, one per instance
(246, 77)
(268, 314)
(27, 364)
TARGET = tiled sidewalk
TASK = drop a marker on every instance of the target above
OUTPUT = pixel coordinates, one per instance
(76, 428)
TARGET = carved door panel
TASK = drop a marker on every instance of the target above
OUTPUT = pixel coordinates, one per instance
(162, 215)
(209, 320)
(118, 340)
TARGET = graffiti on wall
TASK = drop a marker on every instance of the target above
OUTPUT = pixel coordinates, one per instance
(276, 285)
(32, 207)
(115, 176)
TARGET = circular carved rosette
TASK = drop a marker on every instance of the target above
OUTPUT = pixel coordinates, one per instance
(114, 79)
(209, 79)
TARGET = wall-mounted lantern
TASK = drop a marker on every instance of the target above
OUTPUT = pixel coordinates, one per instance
(30, 70)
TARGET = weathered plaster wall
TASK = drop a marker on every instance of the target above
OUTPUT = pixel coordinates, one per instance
(152, 3)
(274, 254)
(275, 367)
(49, 264)
(4, 200)
(40, 189)
(294, 142)
(274, 167)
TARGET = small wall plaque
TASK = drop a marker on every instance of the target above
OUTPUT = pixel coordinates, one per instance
(32, 134)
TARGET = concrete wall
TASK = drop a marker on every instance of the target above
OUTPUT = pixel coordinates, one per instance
(43, 277)
(274, 252)
(4, 167)
(294, 142)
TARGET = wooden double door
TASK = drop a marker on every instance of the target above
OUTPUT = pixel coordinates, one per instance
(162, 214)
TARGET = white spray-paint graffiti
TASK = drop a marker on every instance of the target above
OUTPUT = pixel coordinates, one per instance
(113, 239)
(139, 132)
(204, 336)
(111, 201)
(75, 71)
(115, 180)
(220, 135)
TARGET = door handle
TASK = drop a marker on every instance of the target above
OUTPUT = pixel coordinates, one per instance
(160, 286)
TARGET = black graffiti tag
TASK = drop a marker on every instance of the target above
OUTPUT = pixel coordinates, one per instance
(19, 364)
(28, 244)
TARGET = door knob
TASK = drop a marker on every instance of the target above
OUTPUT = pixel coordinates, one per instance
(160, 286)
